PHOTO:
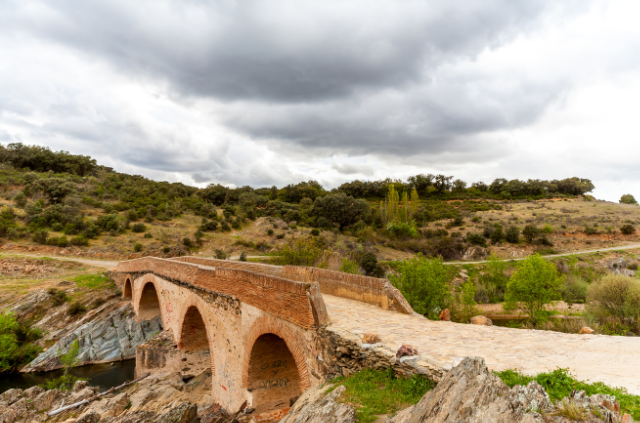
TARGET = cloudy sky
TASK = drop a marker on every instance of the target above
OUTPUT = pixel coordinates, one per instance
(275, 92)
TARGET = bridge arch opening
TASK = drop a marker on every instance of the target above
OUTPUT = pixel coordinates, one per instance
(194, 343)
(273, 379)
(149, 306)
(127, 292)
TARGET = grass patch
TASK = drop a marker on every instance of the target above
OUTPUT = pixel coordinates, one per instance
(559, 384)
(94, 281)
(376, 392)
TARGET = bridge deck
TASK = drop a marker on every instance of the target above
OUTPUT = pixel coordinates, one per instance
(613, 360)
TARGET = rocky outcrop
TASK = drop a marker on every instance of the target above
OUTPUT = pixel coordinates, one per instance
(470, 393)
(316, 407)
(102, 337)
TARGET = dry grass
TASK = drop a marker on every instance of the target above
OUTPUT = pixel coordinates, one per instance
(569, 409)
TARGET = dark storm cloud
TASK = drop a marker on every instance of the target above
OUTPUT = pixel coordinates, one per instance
(287, 51)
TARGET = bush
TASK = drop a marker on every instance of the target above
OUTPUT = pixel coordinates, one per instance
(243, 256)
(280, 236)
(137, 248)
(492, 282)
(76, 308)
(148, 235)
(221, 254)
(138, 227)
(225, 227)
(302, 252)
(530, 232)
(270, 232)
(615, 295)
(535, 284)
(20, 199)
(209, 225)
(236, 224)
(15, 346)
(79, 241)
(627, 229)
(40, 237)
(513, 235)
(350, 266)
(166, 250)
(58, 297)
(476, 239)
(625, 199)
(187, 242)
(497, 235)
(547, 229)
(574, 289)
(315, 232)
(63, 242)
(399, 230)
(424, 283)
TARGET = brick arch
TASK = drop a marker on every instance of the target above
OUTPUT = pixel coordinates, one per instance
(149, 302)
(127, 290)
(270, 325)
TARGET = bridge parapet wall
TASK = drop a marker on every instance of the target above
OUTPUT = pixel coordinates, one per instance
(265, 269)
(291, 300)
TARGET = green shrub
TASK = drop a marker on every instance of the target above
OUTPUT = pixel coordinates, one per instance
(138, 227)
(574, 289)
(369, 262)
(492, 282)
(236, 224)
(476, 239)
(225, 226)
(58, 297)
(535, 284)
(270, 232)
(378, 392)
(302, 252)
(20, 199)
(530, 232)
(76, 308)
(424, 283)
(280, 236)
(560, 384)
(315, 232)
(350, 266)
(63, 242)
(628, 199)
(187, 242)
(15, 342)
(627, 229)
(243, 256)
(40, 237)
(137, 248)
(615, 295)
(209, 225)
(513, 235)
(79, 241)
(497, 235)
(547, 229)
(148, 235)
(401, 229)
(166, 250)
(221, 254)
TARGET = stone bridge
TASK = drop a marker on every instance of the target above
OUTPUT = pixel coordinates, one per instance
(254, 326)
(267, 333)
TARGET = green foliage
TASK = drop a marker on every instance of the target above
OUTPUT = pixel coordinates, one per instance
(513, 235)
(497, 235)
(377, 392)
(476, 239)
(574, 289)
(302, 252)
(58, 297)
(94, 281)
(315, 232)
(424, 283)
(530, 232)
(465, 306)
(340, 209)
(62, 383)
(16, 339)
(560, 384)
(138, 228)
(402, 229)
(76, 308)
(350, 266)
(628, 199)
(534, 284)
(187, 242)
(627, 229)
(20, 199)
(369, 262)
(137, 247)
(221, 254)
(243, 256)
(492, 282)
(40, 237)
(547, 229)
(615, 295)
(270, 232)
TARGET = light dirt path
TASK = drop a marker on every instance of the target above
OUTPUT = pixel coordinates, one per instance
(613, 360)
(97, 263)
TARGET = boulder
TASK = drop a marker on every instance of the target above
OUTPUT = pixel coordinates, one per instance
(90, 417)
(406, 350)
(586, 331)
(445, 315)
(627, 419)
(314, 406)
(370, 338)
(183, 413)
(481, 320)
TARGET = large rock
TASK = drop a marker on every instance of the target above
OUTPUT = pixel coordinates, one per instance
(481, 320)
(316, 407)
(109, 337)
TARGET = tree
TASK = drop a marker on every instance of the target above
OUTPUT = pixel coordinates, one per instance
(54, 188)
(424, 283)
(628, 199)
(530, 232)
(340, 209)
(535, 284)
(302, 252)
(442, 183)
(513, 235)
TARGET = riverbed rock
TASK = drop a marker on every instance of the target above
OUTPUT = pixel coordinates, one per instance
(445, 315)
(406, 350)
(586, 330)
(183, 413)
(90, 417)
(316, 407)
(481, 320)
(112, 336)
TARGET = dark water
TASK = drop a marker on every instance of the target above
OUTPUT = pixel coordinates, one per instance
(105, 375)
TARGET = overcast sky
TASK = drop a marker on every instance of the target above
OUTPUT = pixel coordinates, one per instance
(275, 92)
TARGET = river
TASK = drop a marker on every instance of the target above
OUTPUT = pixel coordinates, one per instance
(105, 376)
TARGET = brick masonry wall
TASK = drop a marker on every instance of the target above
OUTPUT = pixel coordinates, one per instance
(281, 297)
